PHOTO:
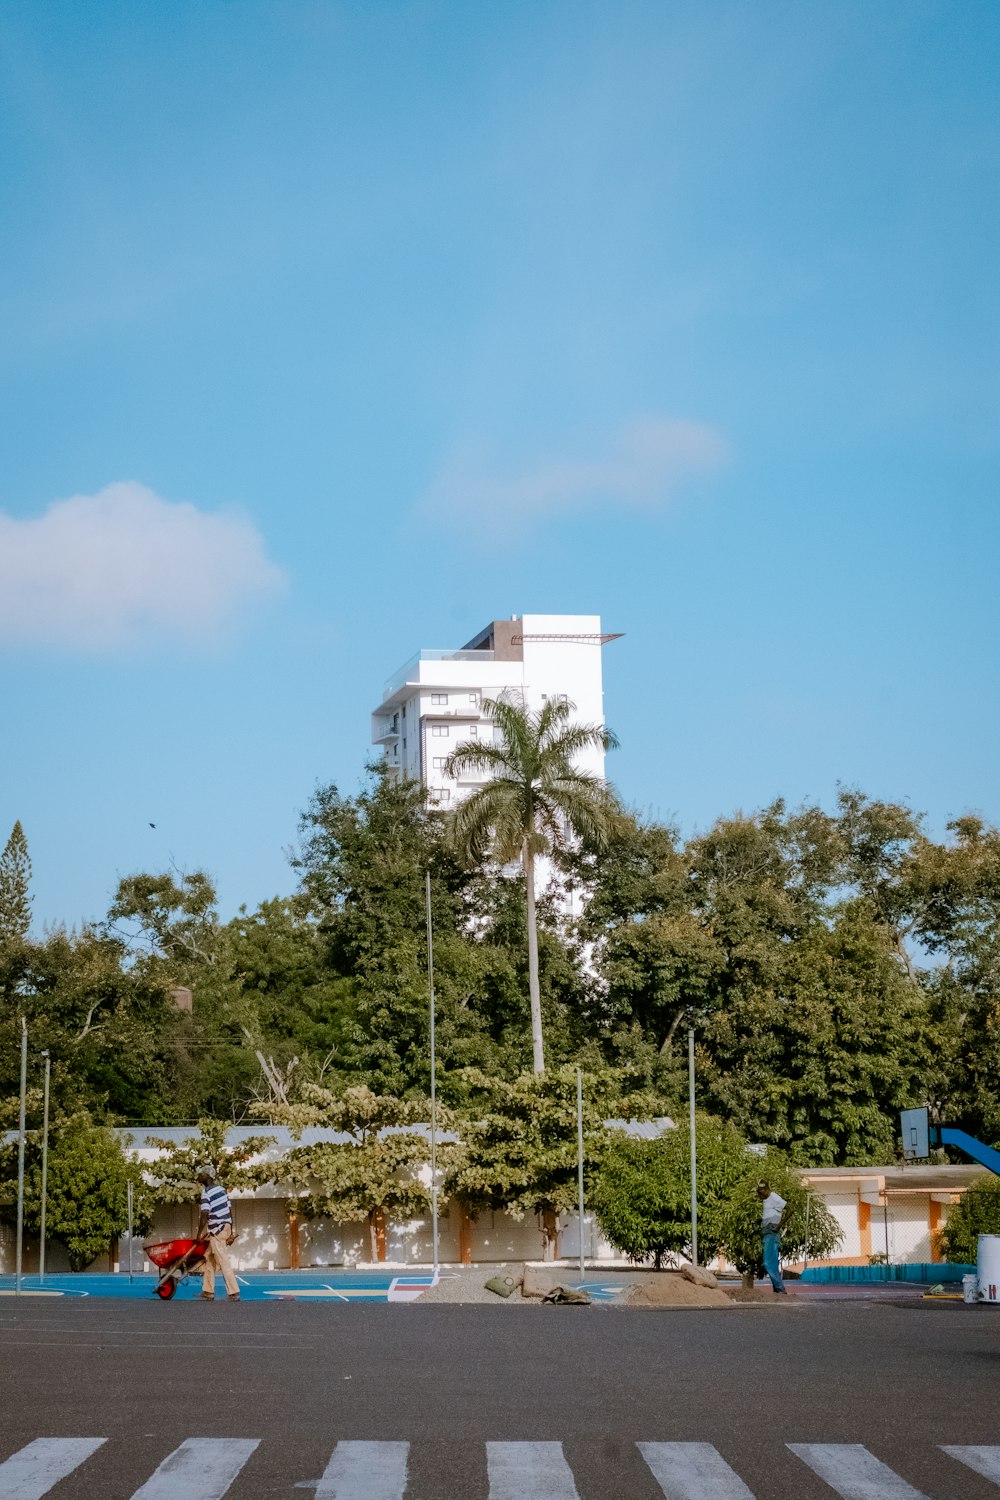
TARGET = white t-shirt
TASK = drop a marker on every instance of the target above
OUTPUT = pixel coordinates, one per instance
(773, 1207)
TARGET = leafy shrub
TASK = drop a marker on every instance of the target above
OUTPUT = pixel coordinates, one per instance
(977, 1212)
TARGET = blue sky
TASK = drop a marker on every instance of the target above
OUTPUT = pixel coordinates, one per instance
(334, 330)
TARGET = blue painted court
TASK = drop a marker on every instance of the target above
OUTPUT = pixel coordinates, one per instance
(305, 1286)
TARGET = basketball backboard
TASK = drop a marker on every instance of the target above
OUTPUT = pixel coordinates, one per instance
(915, 1131)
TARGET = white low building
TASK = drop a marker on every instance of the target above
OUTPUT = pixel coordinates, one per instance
(894, 1213)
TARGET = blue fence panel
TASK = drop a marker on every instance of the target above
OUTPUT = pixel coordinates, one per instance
(922, 1271)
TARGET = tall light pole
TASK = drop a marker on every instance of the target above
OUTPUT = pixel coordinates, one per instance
(20, 1158)
(579, 1156)
(430, 981)
(45, 1166)
(694, 1152)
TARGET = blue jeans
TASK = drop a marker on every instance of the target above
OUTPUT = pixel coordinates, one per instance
(772, 1258)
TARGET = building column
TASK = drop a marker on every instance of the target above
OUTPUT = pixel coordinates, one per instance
(293, 1240)
(464, 1235)
(865, 1226)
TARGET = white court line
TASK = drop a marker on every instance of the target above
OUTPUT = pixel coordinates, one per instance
(985, 1461)
(529, 1471)
(34, 1469)
(693, 1471)
(853, 1472)
(200, 1469)
(365, 1471)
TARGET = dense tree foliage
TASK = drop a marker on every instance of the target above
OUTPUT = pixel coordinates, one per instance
(835, 965)
(87, 1189)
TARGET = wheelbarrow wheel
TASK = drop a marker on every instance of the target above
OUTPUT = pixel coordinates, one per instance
(166, 1289)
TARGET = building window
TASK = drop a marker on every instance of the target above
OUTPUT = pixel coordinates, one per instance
(439, 796)
(474, 731)
(473, 697)
(554, 698)
(440, 731)
(439, 762)
(404, 710)
(440, 700)
(404, 741)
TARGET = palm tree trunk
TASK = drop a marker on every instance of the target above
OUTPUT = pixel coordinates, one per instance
(538, 1055)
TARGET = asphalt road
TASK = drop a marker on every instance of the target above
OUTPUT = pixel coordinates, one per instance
(448, 1381)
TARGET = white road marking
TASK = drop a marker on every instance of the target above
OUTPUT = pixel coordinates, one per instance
(985, 1461)
(365, 1471)
(200, 1469)
(529, 1471)
(853, 1472)
(693, 1471)
(33, 1470)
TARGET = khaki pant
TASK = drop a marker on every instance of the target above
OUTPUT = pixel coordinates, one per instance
(218, 1257)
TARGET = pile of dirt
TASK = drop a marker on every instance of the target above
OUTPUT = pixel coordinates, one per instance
(670, 1289)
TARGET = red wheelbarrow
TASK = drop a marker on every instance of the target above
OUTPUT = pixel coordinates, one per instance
(177, 1259)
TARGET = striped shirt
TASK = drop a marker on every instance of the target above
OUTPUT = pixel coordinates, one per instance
(215, 1204)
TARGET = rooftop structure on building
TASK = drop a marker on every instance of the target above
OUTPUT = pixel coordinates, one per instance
(433, 703)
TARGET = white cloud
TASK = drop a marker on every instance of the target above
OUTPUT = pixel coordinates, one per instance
(124, 567)
(646, 463)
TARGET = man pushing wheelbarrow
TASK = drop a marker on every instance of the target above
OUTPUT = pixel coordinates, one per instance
(207, 1252)
(215, 1227)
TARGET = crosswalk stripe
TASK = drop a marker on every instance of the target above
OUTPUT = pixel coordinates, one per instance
(365, 1471)
(529, 1471)
(985, 1460)
(693, 1471)
(200, 1469)
(33, 1470)
(853, 1472)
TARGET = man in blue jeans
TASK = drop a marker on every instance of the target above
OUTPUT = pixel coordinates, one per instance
(772, 1223)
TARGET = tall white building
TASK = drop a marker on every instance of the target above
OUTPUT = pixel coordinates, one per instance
(434, 702)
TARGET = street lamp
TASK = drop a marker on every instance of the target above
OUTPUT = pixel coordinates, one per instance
(430, 981)
(20, 1158)
(45, 1166)
(694, 1152)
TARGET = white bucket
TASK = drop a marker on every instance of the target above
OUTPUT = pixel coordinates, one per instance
(988, 1267)
(970, 1288)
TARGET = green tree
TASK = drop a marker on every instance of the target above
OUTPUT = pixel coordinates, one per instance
(534, 800)
(976, 1212)
(15, 882)
(375, 1171)
(518, 1139)
(174, 918)
(87, 1189)
(173, 1176)
(642, 1196)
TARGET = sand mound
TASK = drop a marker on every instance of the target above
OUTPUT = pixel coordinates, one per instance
(671, 1289)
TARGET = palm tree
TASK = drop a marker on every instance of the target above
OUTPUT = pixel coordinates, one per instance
(533, 802)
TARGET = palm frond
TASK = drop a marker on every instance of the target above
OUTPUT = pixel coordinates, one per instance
(474, 756)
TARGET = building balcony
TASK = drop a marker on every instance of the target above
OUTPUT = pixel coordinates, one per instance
(384, 731)
(411, 670)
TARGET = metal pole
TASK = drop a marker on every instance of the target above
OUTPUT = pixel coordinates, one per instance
(20, 1158)
(45, 1168)
(130, 1232)
(579, 1155)
(430, 981)
(694, 1152)
(885, 1221)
